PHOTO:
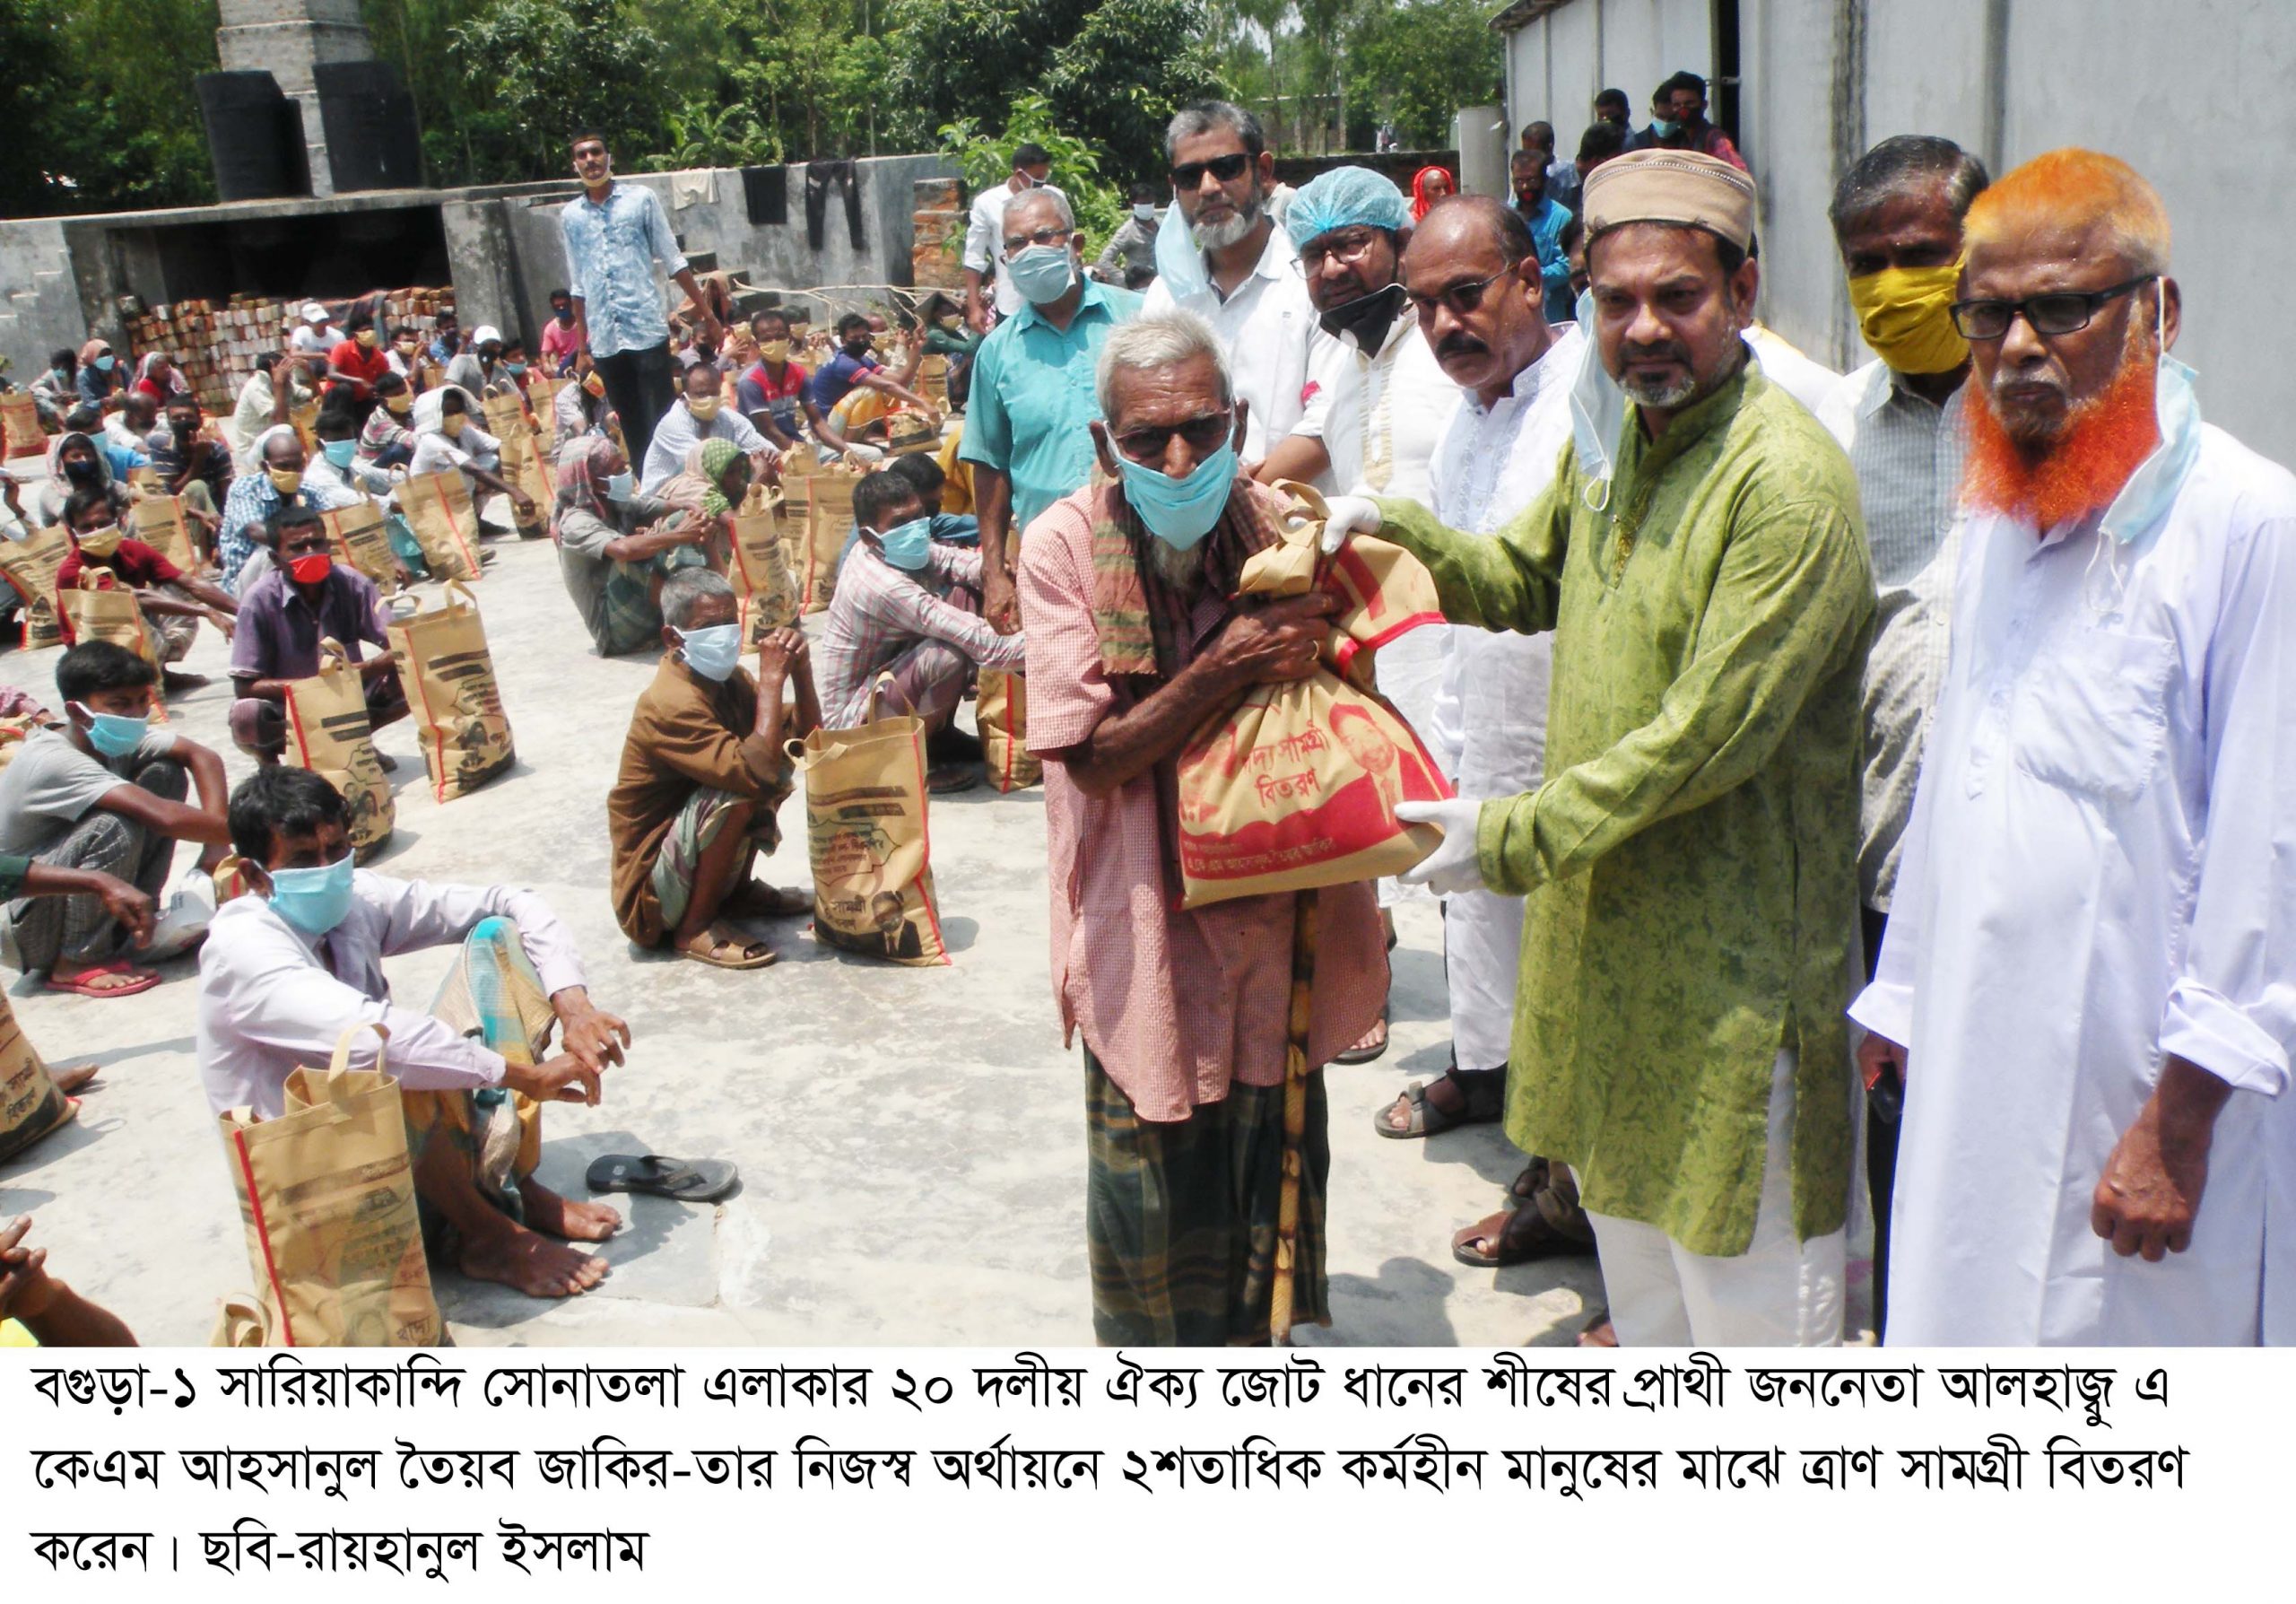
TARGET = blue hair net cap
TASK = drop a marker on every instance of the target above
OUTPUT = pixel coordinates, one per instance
(1345, 197)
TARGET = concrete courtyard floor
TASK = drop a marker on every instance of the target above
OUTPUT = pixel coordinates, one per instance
(910, 1140)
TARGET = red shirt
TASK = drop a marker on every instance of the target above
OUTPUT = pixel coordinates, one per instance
(365, 365)
(136, 565)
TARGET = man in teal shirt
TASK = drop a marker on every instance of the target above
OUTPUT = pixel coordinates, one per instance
(1027, 422)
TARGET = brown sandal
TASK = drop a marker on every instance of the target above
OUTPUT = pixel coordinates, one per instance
(709, 946)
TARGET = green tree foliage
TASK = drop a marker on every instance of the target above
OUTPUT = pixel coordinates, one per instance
(536, 72)
(986, 161)
(97, 101)
(1415, 65)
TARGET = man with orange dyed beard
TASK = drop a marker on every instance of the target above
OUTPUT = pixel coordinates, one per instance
(2085, 981)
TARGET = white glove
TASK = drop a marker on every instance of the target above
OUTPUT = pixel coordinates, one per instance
(1451, 868)
(1348, 515)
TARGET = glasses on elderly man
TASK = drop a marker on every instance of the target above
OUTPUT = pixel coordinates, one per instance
(1227, 169)
(2060, 313)
(1015, 244)
(1203, 434)
(1344, 246)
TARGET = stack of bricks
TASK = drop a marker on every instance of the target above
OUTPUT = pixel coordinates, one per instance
(938, 241)
(216, 346)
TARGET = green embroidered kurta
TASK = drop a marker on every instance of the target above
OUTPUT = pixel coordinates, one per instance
(1691, 860)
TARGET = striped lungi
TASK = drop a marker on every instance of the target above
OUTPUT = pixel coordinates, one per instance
(1181, 1219)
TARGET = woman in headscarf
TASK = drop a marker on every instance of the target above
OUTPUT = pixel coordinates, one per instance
(614, 574)
(712, 483)
(444, 438)
(100, 373)
(159, 378)
(75, 462)
(1428, 186)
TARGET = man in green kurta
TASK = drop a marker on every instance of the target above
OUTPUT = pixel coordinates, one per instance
(1690, 860)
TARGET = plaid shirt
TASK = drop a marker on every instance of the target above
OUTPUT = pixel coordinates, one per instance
(1176, 1004)
(878, 611)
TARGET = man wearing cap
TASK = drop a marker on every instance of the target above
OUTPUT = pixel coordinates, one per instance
(989, 289)
(482, 364)
(315, 336)
(1690, 860)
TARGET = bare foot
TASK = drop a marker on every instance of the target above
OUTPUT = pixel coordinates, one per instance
(517, 1257)
(554, 1216)
(68, 1081)
(1600, 1335)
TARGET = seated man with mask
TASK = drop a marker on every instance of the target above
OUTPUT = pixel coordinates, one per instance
(616, 547)
(699, 413)
(307, 597)
(704, 772)
(298, 963)
(1134, 641)
(908, 607)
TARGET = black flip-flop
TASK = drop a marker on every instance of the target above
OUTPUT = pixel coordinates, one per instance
(683, 1180)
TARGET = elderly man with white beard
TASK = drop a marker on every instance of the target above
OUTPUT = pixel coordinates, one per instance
(2085, 981)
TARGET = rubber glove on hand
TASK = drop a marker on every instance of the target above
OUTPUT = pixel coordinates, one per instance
(1346, 516)
(1451, 868)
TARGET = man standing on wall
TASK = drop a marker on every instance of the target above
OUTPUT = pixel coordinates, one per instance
(989, 292)
(615, 233)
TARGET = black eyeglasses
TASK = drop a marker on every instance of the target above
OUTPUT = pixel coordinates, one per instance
(1015, 244)
(1203, 435)
(1459, 299)
(1227, 169)
(2060, 313)
(1346, 246)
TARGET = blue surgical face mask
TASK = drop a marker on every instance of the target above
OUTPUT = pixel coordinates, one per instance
(1663, 128)
(517, 370)
(1043, 273)
(115, 735)
(713, 653)
(339, 451)
(103, 364)
(908, 545)
(313, 899)
(621, 486)
(1179, 512)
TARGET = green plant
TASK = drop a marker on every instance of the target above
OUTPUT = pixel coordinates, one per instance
(986, 159)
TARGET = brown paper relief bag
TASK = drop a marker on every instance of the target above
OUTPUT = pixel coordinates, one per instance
(446, 526)
(327, 1195)
(30, 1106)
(1001, 710)
(866, 835)
(19, 424)
(100, 608)
(30, 566)
(759, 571)
(1296, 787)
(158, 522)
(363, 540)
(449, 678)
(327, 732)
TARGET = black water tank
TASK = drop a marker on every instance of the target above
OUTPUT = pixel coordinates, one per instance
(372, 142)
(255, 136)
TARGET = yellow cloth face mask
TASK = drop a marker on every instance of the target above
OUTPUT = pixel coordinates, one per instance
(1905, 314)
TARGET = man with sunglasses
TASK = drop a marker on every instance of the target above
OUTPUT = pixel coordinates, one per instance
(1027, 417)
(1134, 641)
(1251, 289)
(2093, 924)
(1896, 218)
(989, 292)
(1689, 859)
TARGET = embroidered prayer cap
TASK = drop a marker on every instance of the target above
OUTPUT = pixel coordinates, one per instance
(1345, 197)
(1678, 186)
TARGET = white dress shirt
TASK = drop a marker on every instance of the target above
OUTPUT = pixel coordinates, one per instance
(1269, 331)
(678, 433)
(272, 998)
(2096, 875)
(1491, 718)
